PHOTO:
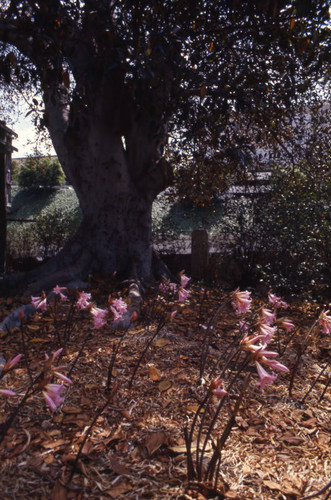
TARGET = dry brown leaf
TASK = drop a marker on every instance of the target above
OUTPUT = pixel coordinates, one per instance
(119, 489)
(154, 373)
(154, 441)
(87, 448)
(49, 445)
(117, 467)
(164, 385)
(272, 485)
(59, 492)
(161, 342)
(232, 494)
(181, 448)
(33, 328)
(291, 439)
(49, 459)
(195, 408)
(71, 409)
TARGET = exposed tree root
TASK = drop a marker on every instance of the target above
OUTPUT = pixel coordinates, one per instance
(71, 264)
(75, 263)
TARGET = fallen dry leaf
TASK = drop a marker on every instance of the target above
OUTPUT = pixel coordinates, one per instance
(164, 385)
(154, 441)
(154, 373)
(161, 342)
(272, 485)
(59, 492)
(117, 467)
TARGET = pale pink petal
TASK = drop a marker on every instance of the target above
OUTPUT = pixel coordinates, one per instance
(184, 280)
(63, 377)
(7, 392)
(10, 364)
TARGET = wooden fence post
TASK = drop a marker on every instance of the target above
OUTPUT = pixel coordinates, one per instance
(3, 222)
(6, 150)
(199, 253)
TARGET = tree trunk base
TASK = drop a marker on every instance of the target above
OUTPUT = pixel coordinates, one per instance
(74, 264)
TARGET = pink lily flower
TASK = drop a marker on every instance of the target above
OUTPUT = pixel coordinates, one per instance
(120, 305)
(173, 314)
(7, 392)
(184, 280)
(243, 325)
(183, 294)
(248, 342)
(39, 302)
(52, 395)
(216, 388)
(83, 301)
(99, 316)
(58, 291)
(54, 355)
(274, 364)
(268, 332)
(287, 324)
(167, 287)
(242, 301)
(325, 322)
(277, 301)
(267, 316)
(164, 287)
(11, 363)
(117, 315)
(265, 377)
(65, 379)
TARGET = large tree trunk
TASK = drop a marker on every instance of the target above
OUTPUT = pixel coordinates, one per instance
(116, 179)
(116, 229)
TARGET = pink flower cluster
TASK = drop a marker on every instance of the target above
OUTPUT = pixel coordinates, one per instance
(266, 328)
(52, 392)
(216, 388)
(8, 366)
(84, 301)
(58, 291)
(277, 301)
(262, 356)
(118, 308)
(242, 301)
(325, 322)
(168, 287)
(182, 292)
(39, 302)
(99, 316)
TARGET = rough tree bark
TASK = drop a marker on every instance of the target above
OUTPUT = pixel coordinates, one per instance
(113, 160)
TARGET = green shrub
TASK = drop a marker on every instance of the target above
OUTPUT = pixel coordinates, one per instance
(53, 227)
(44, 237)
(298, 219)
(40, 172)
(21, 241)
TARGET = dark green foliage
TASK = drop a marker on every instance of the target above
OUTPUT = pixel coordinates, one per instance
(40, 172)
(298, 224)
(53, 228)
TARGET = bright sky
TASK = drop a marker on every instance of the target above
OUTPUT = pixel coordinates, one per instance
(23, 126)
(27, 140)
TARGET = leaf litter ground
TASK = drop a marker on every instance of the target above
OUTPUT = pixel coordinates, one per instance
(278, 448)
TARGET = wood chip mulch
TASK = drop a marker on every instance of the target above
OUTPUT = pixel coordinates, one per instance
(279, 448)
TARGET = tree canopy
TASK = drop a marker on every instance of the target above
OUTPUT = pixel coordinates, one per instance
(118, 78)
